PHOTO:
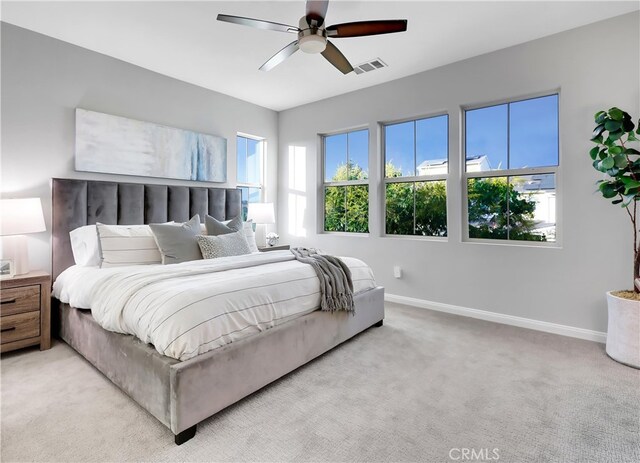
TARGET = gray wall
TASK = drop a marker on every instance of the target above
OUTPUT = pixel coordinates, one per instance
(563, 285)
(44, 80)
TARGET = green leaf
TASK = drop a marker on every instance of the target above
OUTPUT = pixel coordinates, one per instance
(603, 153)
(616, 201)
(615, 150)
(620, 161)
(612, 126)
(627, 125)
(631, 137)
(594, 152)
(616, 114)
(607, 163)
(600, 117)
(628, 182)
(597, 139)
(631, 151)
(597, 131)
(613, 136)
(608, 191)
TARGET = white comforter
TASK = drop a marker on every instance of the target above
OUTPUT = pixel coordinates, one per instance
(190, 308)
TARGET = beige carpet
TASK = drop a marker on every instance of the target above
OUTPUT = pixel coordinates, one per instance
(413, 390)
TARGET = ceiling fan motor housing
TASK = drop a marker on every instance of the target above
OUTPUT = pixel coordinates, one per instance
(311, 39)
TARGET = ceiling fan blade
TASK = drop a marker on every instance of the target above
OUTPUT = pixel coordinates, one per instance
(317, 11)
(280, 56)
(363, 28)
(258, 23)
(335, 57)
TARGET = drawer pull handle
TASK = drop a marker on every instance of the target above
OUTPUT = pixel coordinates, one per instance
(7, 329)
(8, 301)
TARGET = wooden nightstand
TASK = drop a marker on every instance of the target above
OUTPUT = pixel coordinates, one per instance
(281, 247)
(25, 311)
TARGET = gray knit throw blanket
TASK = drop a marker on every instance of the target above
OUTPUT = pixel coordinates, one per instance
(336, 287)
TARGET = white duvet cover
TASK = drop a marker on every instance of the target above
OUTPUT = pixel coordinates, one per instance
(190, 308)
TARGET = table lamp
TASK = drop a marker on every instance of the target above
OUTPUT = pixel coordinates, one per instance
(262, 214)
(17, 218)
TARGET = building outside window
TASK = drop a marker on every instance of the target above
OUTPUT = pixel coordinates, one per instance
(346, 182)
(416, 164)
(250, 153)
(512, 158)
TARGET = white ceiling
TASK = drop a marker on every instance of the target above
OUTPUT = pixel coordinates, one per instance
(183, 39)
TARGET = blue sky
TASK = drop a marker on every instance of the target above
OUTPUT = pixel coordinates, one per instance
(533, 133)
(431, 142)
(248, 158)
(514, 135)
(345, 147)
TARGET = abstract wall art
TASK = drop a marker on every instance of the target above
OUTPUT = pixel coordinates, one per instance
(117, 145)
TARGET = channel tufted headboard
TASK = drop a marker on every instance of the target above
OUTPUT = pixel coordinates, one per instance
(85, 202)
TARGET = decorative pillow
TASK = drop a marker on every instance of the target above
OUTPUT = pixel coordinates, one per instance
(216, 227)
(122, 245)
(85, 246)
(178, 242)
(250, 235)
(229, 244)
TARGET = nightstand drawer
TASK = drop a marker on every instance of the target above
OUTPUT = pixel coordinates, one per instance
(19, 300)
(19, 326)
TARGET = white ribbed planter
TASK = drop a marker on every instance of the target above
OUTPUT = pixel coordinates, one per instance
(623, 334)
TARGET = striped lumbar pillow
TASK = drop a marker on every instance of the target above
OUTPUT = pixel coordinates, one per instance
(122, 245)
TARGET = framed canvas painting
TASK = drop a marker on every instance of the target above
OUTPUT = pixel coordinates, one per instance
(118, 145)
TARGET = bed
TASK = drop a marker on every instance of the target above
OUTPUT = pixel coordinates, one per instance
(180, 394)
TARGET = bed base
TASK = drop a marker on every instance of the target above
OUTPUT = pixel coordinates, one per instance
(182, 394)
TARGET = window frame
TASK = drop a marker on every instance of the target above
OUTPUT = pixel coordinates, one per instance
(346, 183)
(414, 178)
(263, 155)
(505, 173)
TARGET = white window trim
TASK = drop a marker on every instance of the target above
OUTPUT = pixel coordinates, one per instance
(411, 179)
(324, 184)
(465, 176)
(263, 155)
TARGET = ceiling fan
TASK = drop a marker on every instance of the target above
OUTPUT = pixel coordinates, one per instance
(313, 35)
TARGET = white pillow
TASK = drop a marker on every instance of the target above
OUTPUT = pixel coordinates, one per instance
(122, 245)
(250, 235)
(85, 246)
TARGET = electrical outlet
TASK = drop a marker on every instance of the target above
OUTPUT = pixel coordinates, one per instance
(397, 271)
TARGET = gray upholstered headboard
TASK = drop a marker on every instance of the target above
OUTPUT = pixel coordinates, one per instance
(84, 202)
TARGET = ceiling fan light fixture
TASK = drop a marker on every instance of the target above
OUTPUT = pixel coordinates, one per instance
(312, 43)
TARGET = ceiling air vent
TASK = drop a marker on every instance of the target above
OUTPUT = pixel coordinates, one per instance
(369, 66)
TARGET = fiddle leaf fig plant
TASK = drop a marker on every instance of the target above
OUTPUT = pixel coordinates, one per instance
(614, 156)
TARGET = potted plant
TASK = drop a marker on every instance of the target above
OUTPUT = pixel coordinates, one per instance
(614, 156)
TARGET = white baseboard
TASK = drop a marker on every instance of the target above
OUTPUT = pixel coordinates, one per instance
(521, 322)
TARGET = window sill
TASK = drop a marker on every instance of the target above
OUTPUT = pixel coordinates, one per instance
(353, 234)
(514, 243)
(435, 239)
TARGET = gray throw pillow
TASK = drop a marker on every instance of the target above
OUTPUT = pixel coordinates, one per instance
(178, 241)
(230, 244)
(215, 227)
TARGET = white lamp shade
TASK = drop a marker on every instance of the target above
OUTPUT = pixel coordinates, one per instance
(21, 216)
(261, 213)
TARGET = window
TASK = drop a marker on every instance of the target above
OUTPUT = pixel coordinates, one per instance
(512, 154)
(416, 163)
(250, 159)
(346, 184)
